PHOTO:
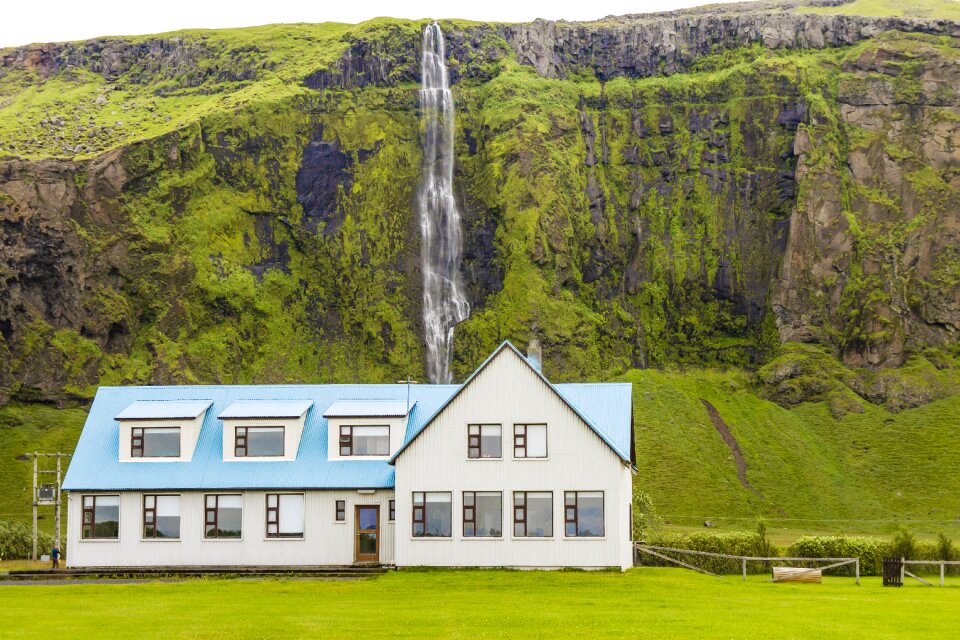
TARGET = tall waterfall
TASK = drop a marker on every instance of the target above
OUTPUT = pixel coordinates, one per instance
(444, 302)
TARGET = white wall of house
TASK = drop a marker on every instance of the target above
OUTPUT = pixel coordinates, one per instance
(506, 392)
(324, 542)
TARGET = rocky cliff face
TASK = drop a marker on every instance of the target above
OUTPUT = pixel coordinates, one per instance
(693, 187)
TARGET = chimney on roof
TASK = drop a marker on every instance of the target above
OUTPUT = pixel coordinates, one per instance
(534, 353)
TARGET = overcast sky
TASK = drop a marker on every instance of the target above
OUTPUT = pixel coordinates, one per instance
(23, 22)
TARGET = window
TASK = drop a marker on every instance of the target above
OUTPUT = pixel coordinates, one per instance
(583, 514)
(432, 514)
(223, 516)
(101, 517)
(253, 442)
(161, 517)
(365, 441)
(483, 441)
(482, 514)
(393, 511)
(341, 511)
(155, 442)
(284, 515)
(532, 514)
(529, 441)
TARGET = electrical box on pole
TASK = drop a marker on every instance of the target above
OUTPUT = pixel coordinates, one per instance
(47, 493)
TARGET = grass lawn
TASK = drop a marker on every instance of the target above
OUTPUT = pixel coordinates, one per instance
(642, 603)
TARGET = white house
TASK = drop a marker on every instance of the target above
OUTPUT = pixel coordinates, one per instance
(506, 469)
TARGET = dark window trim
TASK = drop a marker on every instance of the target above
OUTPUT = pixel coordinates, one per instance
(92, 512)
(273, 516)
(392, 511)
(241, 436)
(421, 517)
(213, 512)
(520, 441)
(153, 513)
(137, 437)
(341, 511)
(571, 513)
(472, 519)
(521, 509)
(346, 441)
(475, 441)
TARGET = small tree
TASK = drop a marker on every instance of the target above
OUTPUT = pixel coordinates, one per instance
(645, 518)
(945, 550)
(904, 544)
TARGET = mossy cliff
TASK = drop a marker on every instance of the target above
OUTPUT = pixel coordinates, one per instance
(697, 187)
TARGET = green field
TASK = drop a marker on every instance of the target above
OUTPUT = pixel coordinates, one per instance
(642, 603)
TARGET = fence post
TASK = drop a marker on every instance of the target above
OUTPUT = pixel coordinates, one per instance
(744, 569)
(941, 573)
(903, 568)
(858, 570)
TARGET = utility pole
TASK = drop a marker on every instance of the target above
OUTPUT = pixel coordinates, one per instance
(57, 516)
(46, 494)
(33, 495)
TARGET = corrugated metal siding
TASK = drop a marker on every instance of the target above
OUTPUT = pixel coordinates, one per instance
(162, 409)
(324, 541)
(577, 460)
(366, 408)
(266, 409)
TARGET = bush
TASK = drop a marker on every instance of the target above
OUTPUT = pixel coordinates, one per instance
(16, 541)
(869, 550)
(743, 543)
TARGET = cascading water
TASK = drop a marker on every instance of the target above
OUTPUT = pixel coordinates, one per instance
(444, 302)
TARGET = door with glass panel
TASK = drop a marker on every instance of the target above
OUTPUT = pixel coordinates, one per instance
(367, 523)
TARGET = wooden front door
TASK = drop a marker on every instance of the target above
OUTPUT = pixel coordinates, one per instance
(367, 522)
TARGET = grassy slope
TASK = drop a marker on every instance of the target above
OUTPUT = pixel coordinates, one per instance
(949, 9)
(864, 473)
(649, 603)
(140, 105)
(29, 428)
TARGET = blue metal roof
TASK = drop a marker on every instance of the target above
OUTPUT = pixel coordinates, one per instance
(95, 465)
(266, 409)
(367, 408)
(172, 408)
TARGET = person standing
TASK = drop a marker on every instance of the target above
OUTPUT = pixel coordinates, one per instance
(55, 555)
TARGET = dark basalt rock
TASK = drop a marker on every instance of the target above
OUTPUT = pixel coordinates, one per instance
(325, 169)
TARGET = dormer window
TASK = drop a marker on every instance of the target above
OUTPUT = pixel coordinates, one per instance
(365, 440)
(365, 428)
(159, 442)
(263, 429)
(258, 441)
(160, 430)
